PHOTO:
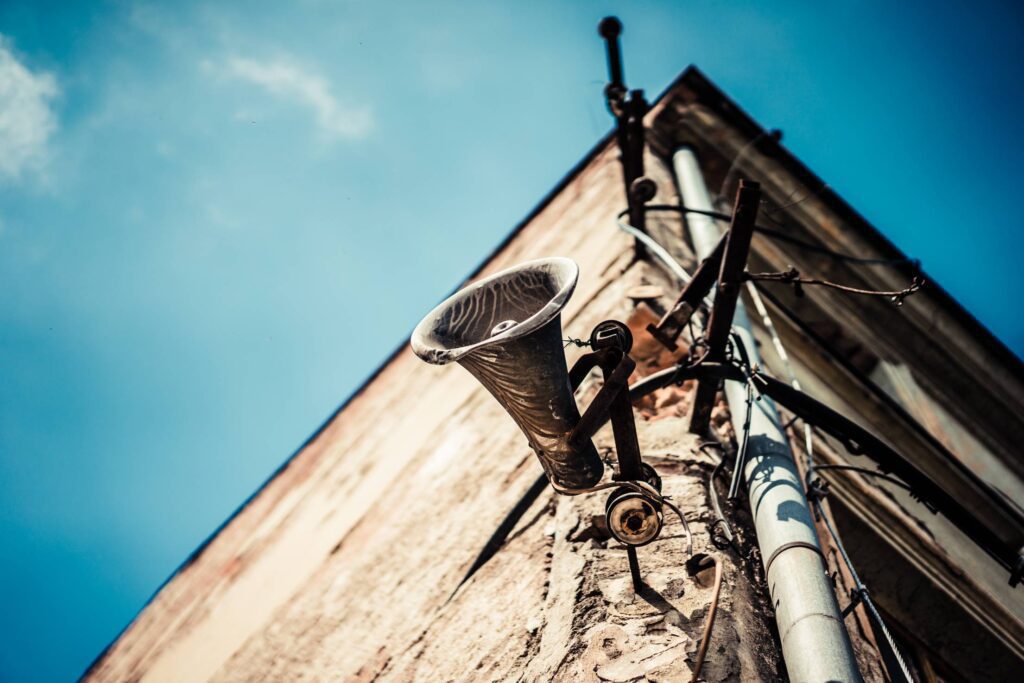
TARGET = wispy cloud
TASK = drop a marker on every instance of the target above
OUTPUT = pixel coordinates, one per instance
(288, 81)
(26, 120)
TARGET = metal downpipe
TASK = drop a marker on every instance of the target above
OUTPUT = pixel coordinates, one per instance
(815, 644)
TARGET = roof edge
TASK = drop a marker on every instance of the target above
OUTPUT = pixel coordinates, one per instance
(710, 95)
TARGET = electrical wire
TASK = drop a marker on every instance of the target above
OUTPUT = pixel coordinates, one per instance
(784, 237)
(709, 622)
(575, 342)
(792, 276)
(721, 524)
(867, 472)
(666, 258)
(686, 527)
(741, 453)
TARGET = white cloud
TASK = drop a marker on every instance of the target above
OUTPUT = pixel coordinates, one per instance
(26, 120)
(289, 82)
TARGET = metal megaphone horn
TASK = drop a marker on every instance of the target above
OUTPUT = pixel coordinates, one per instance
(506, 330)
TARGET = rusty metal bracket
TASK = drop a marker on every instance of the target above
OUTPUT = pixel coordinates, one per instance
(689, 300)
(611, 341)
(730, 279)
(617, 368)
(630, 133)
(857, 596)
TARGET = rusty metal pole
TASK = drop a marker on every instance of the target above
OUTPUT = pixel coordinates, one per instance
(629, 112)
(612, 335)
(633, 158)
(815, 644)
(689, 300)
(730, 280)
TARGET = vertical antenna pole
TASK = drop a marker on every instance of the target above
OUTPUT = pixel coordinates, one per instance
(610, 28)
(629, 127)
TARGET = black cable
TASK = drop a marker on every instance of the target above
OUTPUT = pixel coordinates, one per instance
(795, 241)
(720, 531)
(863, 470)
(685, 209)
(808, 246)
(736, 344)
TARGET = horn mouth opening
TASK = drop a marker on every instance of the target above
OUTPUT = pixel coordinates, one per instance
(503, 306)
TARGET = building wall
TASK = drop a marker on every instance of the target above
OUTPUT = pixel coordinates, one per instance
(345, 565)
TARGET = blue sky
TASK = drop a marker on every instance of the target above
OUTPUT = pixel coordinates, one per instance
(216, 219)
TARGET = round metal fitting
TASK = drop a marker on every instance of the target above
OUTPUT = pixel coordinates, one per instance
(610, 27)
(632, 518)
(611, 333)
(643, 189)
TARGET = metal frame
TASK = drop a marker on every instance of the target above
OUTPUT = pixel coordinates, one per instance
(858, 441)
(730, 257)
(677, 317)
(730, 280)
(630, 133)
(611, 341)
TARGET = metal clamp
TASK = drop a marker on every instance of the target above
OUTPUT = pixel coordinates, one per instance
(786, 546)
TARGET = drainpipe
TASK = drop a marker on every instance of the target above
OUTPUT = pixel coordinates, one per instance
(815, 644)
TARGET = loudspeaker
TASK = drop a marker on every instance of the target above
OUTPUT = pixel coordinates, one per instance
(507, 331)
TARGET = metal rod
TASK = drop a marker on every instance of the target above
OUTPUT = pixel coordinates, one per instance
(730, 279)
(610, 28)
(634, 569)
(612, 402)
(815, 644)
(633, 157)
(616, 368)
(626, 444)
(672, 323)
(629, 115)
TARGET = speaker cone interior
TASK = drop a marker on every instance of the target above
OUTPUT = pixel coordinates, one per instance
(506, 330)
